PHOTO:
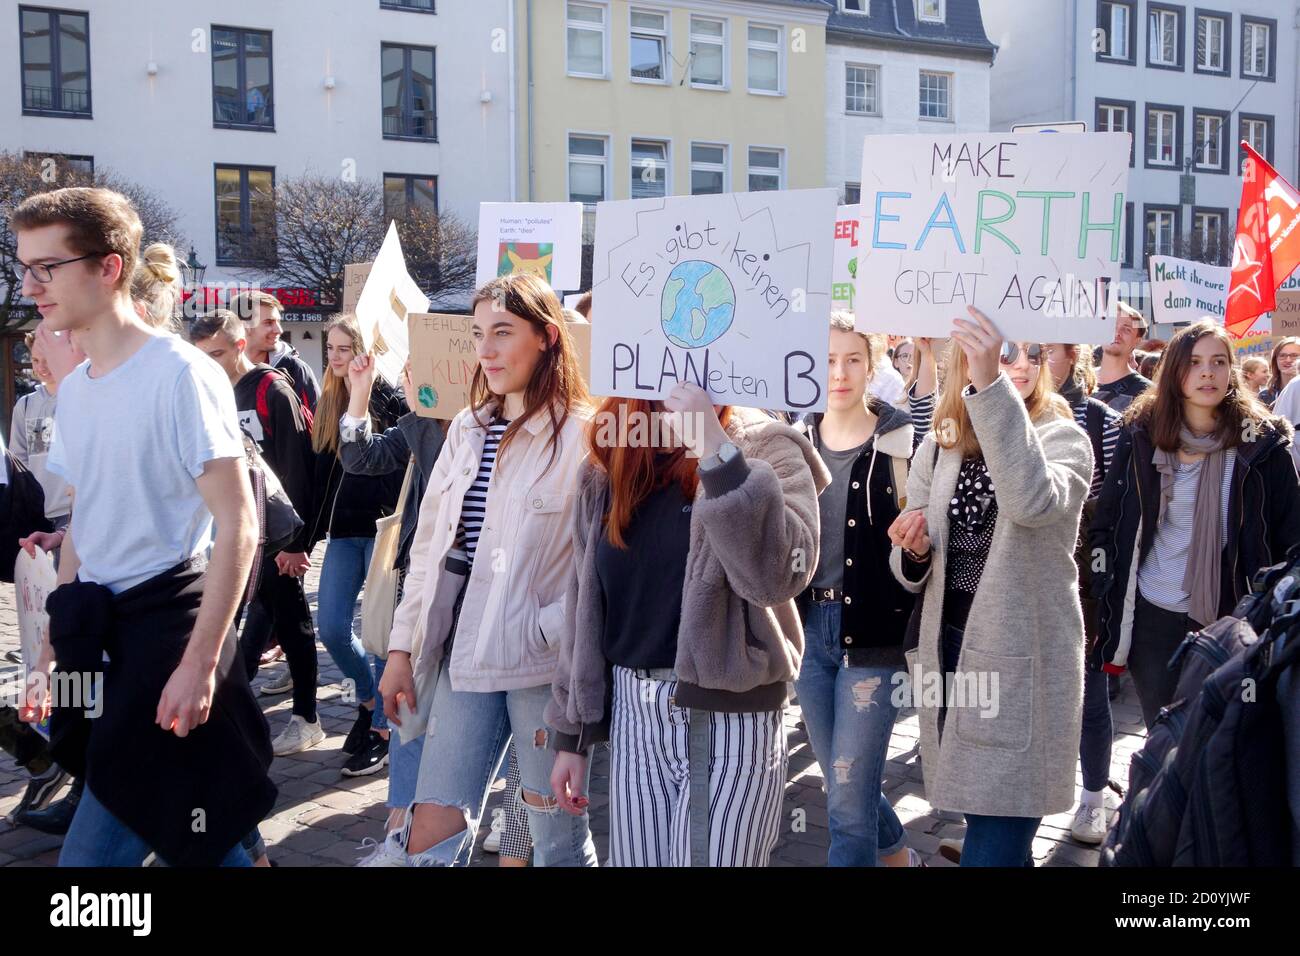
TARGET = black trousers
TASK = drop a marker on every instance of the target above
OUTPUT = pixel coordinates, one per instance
(1156, 635)
(280, 608)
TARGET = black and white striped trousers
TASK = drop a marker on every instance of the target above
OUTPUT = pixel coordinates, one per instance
(649, 779)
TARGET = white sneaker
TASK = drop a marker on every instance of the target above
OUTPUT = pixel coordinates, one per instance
(1089, 825)
(387, 852)
(297, 736)
(280, 683)
(492, 842)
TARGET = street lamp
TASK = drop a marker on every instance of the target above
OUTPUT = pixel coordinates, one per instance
(194, 271)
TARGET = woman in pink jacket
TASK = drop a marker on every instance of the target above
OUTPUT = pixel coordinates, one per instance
(474, 641)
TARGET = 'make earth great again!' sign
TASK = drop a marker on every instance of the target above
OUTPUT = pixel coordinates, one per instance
(1027, 227)
(731, 292)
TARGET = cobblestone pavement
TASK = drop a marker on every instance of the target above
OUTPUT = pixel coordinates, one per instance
(321, 817)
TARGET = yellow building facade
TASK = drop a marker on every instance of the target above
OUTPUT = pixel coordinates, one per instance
(620, 100)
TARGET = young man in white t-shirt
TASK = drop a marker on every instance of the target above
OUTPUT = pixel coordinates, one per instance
(145, 433)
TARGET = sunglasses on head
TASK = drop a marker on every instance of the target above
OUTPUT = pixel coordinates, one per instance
(1034, 351)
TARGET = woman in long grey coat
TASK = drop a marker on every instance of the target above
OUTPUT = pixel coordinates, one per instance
(998, 486)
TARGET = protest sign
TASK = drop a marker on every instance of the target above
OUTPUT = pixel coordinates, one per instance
(1028, 228)
(34, 579)
(544, 238)
(443, 360)
(1286, 317)
(388, 297)
(1255, 343)
(354, 280)
(1187, 291)
(844, 273)
(730, 292)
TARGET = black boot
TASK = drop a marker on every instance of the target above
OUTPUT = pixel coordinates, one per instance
(40, 791)
(55, 818)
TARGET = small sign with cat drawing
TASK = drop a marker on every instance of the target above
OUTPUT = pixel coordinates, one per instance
(544, 238)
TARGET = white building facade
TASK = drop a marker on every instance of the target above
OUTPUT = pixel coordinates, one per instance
(206, 103)
(901, 66)
(1189, 82)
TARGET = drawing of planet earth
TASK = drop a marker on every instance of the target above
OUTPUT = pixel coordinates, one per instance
(698, 304)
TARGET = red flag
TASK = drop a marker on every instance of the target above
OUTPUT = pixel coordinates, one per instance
(1267, 250)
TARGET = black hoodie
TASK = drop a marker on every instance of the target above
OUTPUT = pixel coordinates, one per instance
(272, 414)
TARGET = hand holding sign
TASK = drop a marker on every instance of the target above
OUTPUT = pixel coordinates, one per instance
(982, 344)
(692, 419)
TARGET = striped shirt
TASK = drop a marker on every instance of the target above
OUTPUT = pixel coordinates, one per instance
(474, 507)
(1160, 578)
(1110, 426)
(922, 410)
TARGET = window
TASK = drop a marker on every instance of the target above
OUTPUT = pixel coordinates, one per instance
(410, 109)
(708, 53)
(1209, 149)
(648, 48)
(1164, 37)
(245, 215)
(403, 192)
(649, 169)
(1164, 137)
(421, 6)
(852, 194)
(856, 6)
(241, 79)
(66, 170)
(1161, 230)
(1257, 48)
(1212, 33)
(1128, 235)
(764, 68)
(708, 169)
(930, 11)
(1258, 132)
(862, 89)
(1116, 116)
(588, 156)
(1115, 21)
(585, 39)
(56, 62)
(766, 169)
(935, 100)
(1208, 234)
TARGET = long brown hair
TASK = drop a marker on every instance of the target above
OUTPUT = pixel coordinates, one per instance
(635, 469)
(1160, 408)
(1274, 372)
(1081, 371)
(336, 390)
(952, 425)
(556, 382)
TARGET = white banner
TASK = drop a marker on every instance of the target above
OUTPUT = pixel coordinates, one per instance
(34, 579)
(1026, 227)
(544, 238)
(728, 291)
(388, 297)
(1187, 291)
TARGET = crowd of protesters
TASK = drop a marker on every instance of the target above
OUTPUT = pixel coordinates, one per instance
(1042, 513)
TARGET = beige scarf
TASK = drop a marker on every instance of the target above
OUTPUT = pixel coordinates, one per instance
(1205, 554)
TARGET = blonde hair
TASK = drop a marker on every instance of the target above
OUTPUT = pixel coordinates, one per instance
(336, 390)
(952, 425)
(156, 285)
(1081, 371)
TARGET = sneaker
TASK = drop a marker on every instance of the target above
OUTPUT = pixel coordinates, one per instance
(40, 791)
(297, 736)
(57, 817)
(950, 849)
(356, 737)
(914, 858)
(271, 655)
(492, 842)
(386, 852)
(280, 683)
(13, 657)
(369, 759)
(1089, 825)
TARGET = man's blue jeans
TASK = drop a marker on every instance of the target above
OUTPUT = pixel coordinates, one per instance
(97, 838)
(999, 841)
(342, 574)
(849, 713)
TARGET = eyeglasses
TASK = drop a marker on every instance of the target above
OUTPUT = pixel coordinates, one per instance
(1287, 358)
(1034, 351)
(43, 271)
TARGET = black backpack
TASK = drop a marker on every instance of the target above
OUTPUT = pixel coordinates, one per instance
(1209, 787)
(22, 513)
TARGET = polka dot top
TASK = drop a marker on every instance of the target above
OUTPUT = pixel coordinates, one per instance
(972, 515)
